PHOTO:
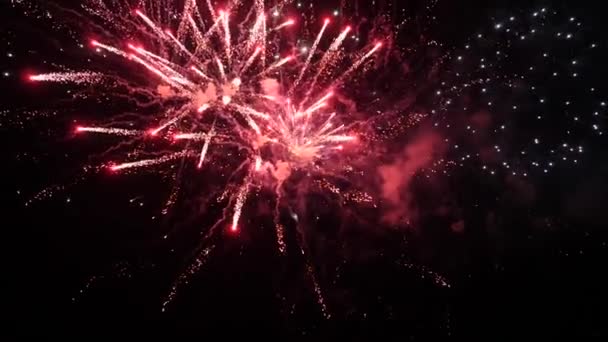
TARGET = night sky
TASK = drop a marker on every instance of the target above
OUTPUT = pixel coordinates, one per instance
(485, 244)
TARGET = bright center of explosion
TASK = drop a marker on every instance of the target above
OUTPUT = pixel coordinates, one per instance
(299, 134)
(304, 153)
(211, 92)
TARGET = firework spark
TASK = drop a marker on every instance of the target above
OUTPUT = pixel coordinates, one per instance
(68, 77)
(112, 131)
(147, 162)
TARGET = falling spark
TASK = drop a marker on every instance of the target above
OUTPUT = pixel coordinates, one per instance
(157, 72)
(227, 40)
(329, 54)
(285, 24)
(249, 62)
(339, 138)
(313, 49)
(238, 207)
(147, 162)
(109, 130)
(150, 23)
(173, 120)
(251, 111)
(181, 46)
(200, 73)
(220, 67)
(253, 124)
(204, 150)
(190, 136)
(110, 49)
(358, 63)
(278, 64)
(68, 77)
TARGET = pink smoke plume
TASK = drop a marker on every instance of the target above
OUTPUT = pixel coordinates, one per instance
(398, 176)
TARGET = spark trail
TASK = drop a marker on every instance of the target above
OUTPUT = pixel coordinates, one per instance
(109, 130)
(148, 162)
(68, 77)
(313, 49)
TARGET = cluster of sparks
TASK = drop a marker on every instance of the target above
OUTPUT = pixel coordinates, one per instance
(224, 80)
(200, 68)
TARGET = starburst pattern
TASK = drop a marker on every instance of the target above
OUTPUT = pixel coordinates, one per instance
(213, 79)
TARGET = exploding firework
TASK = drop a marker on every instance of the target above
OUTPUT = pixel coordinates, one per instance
(226, 90)
(217, 79)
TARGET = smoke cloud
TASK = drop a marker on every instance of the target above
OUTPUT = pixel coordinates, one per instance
(397, 177)
(270, 87)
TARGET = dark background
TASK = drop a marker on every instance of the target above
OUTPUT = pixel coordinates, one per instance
(99, 265)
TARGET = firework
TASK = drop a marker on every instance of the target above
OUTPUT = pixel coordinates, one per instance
(216, 90)
(179, 79)
(216, 68)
